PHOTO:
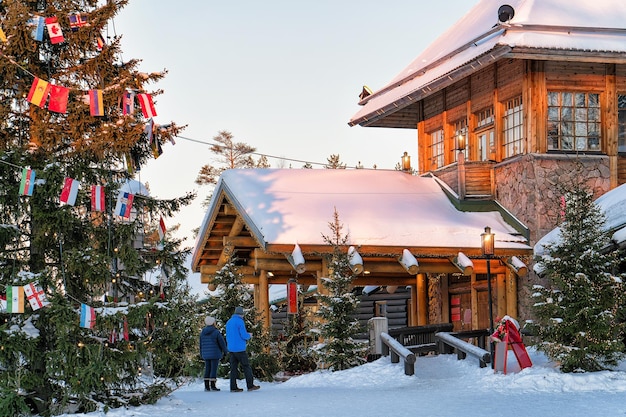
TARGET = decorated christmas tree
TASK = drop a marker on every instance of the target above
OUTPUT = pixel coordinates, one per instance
(91, 279)
(338, 306)
(580, 313)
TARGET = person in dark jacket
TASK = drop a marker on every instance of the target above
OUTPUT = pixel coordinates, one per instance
(212, 348)
(237, 337)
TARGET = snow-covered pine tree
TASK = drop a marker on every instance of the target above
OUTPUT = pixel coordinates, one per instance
(338, 305)
(230, 292)
(69, 116)
(579, 313)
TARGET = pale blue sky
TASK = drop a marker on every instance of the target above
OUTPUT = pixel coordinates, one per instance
(282, 76)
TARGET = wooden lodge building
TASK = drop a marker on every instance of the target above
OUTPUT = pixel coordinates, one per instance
(513, 100)
(507, 104)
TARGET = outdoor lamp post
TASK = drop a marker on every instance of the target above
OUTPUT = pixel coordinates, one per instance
(487, 246)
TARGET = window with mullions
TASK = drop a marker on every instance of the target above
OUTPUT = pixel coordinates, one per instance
(436, 149)
(573, 121)
(621, 123)
(513, 128)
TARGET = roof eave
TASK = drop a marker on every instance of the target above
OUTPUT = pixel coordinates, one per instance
(369, 120)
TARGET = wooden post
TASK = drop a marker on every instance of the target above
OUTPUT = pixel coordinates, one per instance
(413, 306)
(501, 295)
(511, 294)
(422, 300)
(264, 302)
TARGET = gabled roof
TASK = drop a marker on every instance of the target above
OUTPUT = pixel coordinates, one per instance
(376, 207)
(541, 28)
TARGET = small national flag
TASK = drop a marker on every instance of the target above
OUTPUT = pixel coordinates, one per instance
(124, 204)
(97, 198)
(27, 185)
(15, 299)
(37, 23)
(54, 30)
(87, 316)
(96, 103)
(38, 92)
(100, 43)
(77, 20)
(36, 296)
(161, 229)
(58, 98)
(3, 302)
(70, 191)
(147, 106)
(128, 103)
(3, 37)
(126, 329)
(113, 336)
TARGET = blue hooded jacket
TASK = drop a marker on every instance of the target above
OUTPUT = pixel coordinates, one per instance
(212, 344)
(236, 334)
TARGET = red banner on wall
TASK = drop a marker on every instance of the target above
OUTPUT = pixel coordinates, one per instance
(292, 297)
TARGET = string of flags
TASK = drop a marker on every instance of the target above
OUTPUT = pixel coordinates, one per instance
(57, 96)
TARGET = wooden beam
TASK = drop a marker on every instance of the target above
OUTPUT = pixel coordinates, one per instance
(240, 241)
(282, 264)
(212, 269)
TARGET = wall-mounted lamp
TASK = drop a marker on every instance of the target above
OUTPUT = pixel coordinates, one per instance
(296, 259)
(460, 143)
(408, 261)
(355, 260)
(406, 162)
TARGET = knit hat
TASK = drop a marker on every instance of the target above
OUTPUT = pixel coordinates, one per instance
(239, 311)
(209, 321)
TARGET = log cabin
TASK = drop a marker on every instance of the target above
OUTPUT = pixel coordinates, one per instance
(513, 101)
(409, 231)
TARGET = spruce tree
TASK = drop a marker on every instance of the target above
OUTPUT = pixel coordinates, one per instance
(65, 116)
(338, 305)
(579, 313)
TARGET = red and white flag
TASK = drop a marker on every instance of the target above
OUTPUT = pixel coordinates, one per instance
(54, 30)
(147, 106)
(36, 296)
(70, 191)
(97, 198)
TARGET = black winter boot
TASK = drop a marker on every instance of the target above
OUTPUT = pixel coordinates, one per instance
(213, 387)
(207, 386)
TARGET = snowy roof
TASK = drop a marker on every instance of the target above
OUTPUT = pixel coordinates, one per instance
(613, 205)
(478, 37)
(376, 207)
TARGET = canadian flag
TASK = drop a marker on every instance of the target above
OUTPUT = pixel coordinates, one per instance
(54, 30)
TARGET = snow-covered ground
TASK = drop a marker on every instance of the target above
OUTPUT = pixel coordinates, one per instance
(441, 386)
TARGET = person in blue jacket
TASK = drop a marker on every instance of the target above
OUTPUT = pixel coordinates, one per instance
(237, 337)
(212, 348)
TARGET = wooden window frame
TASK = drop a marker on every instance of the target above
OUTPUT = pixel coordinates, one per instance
(573, 126)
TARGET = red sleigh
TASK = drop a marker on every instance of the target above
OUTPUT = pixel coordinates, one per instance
(509, 337)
